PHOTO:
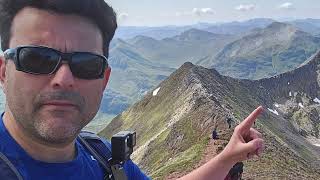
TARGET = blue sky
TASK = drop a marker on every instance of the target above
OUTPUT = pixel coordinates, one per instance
(182, 12)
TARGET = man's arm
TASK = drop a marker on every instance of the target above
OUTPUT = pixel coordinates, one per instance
(244, 144)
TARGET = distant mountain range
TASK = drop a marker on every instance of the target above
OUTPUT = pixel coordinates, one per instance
(264, 52)
(236, 27)
(239, 27)
(174, 121)
(190, 45)
(311, 26)
(250, 50)
(128, 32)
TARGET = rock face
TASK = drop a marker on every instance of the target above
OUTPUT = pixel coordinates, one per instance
(296, 96)
(174, 124)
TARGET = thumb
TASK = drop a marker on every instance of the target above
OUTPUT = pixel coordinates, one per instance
(252, 146)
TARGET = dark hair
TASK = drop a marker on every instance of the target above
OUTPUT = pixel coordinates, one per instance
(97, 11)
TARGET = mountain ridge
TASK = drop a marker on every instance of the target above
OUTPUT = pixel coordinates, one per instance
(174, 125)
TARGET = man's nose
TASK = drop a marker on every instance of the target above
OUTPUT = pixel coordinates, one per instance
(63, 77)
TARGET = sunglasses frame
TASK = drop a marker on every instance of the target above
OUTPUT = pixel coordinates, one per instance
(13, 54)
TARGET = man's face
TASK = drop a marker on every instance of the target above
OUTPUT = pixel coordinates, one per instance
(53, 108)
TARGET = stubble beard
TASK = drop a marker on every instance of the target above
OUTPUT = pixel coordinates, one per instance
(58, 126)
(52, 126)
(42, 127)
(51, 132)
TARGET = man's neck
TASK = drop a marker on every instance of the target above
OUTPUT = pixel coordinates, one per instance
(39, 151)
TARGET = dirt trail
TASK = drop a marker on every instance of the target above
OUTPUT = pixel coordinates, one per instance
(212, 148)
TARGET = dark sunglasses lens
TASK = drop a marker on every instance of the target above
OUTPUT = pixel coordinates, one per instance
(38, 60)
(87, 65)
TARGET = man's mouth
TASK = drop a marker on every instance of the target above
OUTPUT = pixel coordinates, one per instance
(60, 104)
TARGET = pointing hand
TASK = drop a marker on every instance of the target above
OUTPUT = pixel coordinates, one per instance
(245, 141)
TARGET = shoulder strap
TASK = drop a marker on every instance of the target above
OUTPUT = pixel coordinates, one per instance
(99, 148)
(7, 169)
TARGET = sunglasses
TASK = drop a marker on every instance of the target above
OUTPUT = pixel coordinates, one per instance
(45, 60)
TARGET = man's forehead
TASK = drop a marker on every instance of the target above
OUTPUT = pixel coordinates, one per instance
(40, 27)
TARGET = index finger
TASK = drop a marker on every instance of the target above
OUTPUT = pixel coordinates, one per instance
(246, 124)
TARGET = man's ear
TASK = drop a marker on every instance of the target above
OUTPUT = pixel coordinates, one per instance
(2, 71)
(106, 77)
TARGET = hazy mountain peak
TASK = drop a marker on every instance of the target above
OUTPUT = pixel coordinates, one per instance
(195, 35)
(277, 26)
(140, 38)
(265, 52)
(259, 21)
(116, 42)
(196, 31)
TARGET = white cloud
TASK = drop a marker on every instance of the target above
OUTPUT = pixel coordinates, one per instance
(207, 10)
(123, 16)
(197, 12)
(287, 5)
(245, 7)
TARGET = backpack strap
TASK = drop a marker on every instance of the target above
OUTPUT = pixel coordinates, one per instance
(7, 169)
(100, 150)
